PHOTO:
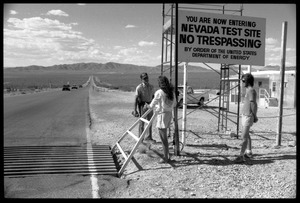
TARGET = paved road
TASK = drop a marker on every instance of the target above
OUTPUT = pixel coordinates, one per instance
(48, 118)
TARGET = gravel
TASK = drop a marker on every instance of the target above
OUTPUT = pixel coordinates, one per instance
(204, 168)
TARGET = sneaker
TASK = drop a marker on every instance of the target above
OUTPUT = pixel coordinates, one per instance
(248, 155)
(240, 159)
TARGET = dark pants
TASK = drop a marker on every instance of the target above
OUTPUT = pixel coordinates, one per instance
(142, 110)
(164, 139)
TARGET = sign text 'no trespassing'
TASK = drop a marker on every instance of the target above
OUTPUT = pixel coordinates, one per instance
(217, 38)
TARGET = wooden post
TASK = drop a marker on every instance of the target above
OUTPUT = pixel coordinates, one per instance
(282, 73)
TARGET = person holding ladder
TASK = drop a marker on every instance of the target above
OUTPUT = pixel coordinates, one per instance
(144, 94)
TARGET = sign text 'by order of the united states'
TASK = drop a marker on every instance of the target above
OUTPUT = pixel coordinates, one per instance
(219, 38)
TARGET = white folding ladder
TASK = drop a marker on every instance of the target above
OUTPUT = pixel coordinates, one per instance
(138, 139)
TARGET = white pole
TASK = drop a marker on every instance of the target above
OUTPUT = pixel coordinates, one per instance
(282, 72)
(184, 103)
(249, 68)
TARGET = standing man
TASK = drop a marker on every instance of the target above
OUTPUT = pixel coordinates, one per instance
(249, 116)
(143, 95)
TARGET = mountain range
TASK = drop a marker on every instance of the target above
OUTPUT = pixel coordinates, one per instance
(109, 67)
(112, 67)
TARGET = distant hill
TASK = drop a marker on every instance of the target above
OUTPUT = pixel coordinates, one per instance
(112, 67)
(278, 68)
(109, 67)
(91, 67)
(264, 68)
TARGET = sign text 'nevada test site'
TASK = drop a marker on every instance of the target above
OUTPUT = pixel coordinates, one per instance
(219, 38)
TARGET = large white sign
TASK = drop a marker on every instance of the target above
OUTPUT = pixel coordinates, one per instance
(219, 38)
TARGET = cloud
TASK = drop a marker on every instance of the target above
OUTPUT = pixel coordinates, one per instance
(272, 48)
(133, 55)
(32, 39)
(130, 26)
(44, 41)
(130, 51)
(13, 12)
(271, 41)
(57, 13)
(290, 49)
(145, 43)
(273, 52)
(38, 23)
(272, 64)
(117, 47)
(142, 59)
(81, 4)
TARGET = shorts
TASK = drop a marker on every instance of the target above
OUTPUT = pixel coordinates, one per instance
(164, 119)
(247, 120)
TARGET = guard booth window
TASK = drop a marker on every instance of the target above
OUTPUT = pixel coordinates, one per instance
(274, 87)
(259, 83)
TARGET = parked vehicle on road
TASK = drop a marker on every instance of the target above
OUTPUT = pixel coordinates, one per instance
(66, 88)
(74, 87)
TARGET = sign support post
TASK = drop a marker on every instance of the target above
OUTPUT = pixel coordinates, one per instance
(282, 72)
(184, 106)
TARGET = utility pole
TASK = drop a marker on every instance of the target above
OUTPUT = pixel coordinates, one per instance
(282, 73)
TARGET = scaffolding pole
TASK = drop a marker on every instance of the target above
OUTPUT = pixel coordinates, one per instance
(170, 29)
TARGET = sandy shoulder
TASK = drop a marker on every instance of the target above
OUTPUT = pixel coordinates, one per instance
(205, 168)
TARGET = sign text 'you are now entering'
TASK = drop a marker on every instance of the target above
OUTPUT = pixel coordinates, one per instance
(217, 38)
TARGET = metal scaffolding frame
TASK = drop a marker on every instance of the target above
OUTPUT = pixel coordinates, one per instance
(170, 63)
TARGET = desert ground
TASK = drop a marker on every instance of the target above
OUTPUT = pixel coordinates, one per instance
(205, 167)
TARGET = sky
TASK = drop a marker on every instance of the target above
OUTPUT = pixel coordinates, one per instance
(52, 34)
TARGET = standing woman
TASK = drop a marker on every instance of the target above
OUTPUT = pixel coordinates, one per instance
(165, 100)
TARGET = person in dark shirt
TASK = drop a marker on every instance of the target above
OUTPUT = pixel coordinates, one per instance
(249, 116)
(144, 94)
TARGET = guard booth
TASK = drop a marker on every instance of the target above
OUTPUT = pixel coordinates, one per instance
(266, 84)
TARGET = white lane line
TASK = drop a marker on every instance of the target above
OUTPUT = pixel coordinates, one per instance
(93, 177)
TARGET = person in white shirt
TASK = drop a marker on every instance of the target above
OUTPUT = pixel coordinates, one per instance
(249, 117)
(165, 101)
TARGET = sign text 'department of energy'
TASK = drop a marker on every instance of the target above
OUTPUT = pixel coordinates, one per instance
(217, 38)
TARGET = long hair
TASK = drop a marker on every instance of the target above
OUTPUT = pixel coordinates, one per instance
(249, 79)
(165, 85)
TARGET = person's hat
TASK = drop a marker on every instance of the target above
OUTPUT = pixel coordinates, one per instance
(144, 76)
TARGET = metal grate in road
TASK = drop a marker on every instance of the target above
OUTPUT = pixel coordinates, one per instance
(38, 160)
